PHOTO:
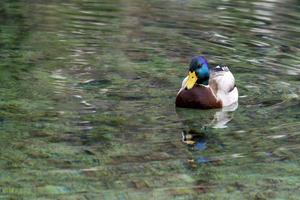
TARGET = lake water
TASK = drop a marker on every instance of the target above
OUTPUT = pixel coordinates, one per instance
(87, 91)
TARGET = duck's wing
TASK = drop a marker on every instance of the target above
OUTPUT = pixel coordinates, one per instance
(222, 83)
(221, 79)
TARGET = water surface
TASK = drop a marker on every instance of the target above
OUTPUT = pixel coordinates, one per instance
(88, 90)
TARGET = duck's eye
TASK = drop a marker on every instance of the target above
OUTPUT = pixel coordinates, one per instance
(199, 66)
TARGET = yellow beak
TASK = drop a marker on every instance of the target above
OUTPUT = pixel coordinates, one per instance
(192, 78)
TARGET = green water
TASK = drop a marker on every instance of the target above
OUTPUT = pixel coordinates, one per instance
(87, 91)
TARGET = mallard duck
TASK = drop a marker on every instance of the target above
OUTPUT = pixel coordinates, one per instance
(207, 88)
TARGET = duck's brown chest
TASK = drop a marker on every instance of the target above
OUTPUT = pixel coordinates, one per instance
(198, 97)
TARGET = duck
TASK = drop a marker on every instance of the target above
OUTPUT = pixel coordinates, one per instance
(207, 88)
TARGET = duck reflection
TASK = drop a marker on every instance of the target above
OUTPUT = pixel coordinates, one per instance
(198, 122)
(223, 116)
(198, 125)
(197, 139)
(196, 119)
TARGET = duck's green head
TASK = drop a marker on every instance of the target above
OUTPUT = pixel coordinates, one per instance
(198, 72)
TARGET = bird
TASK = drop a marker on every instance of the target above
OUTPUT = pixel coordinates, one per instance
(207, 88)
